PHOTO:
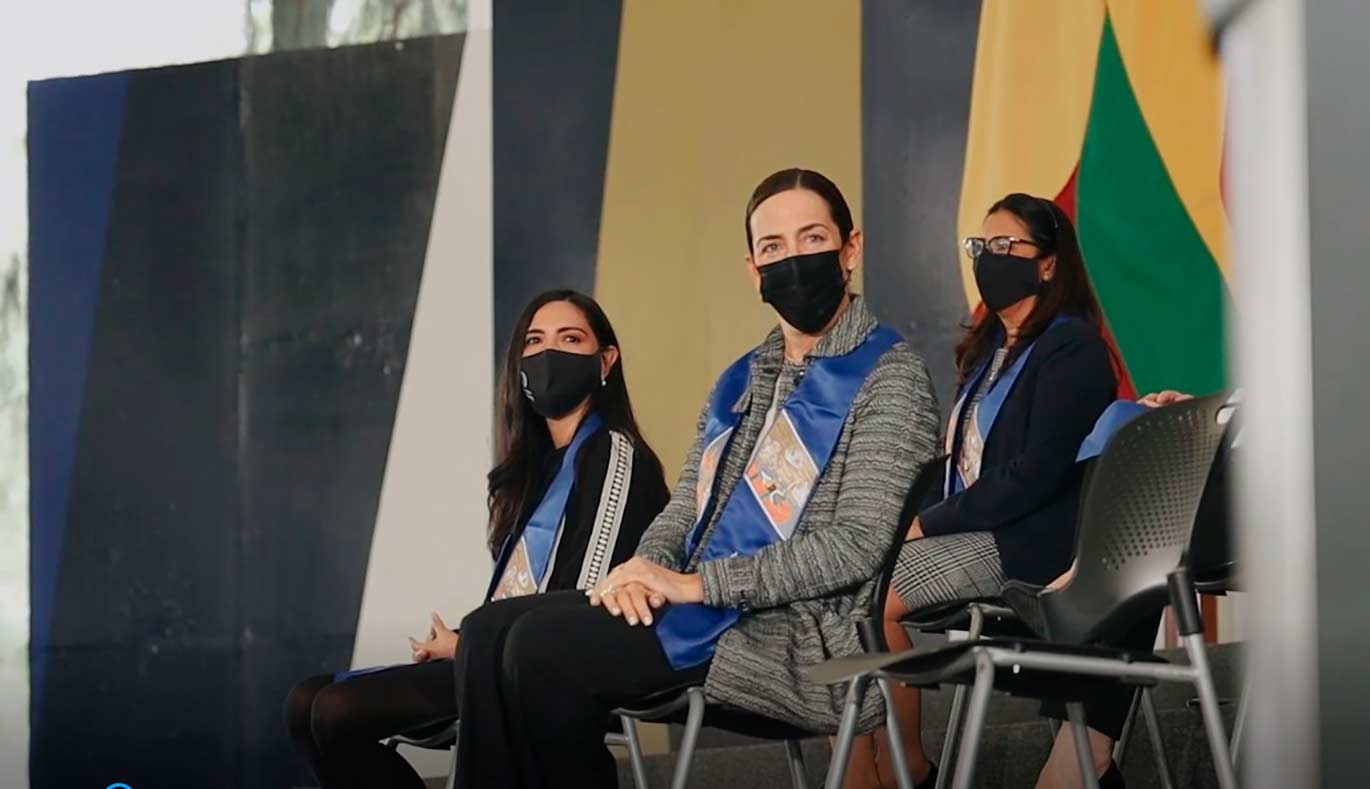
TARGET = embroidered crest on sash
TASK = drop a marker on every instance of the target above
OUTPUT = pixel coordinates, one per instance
(781, 475)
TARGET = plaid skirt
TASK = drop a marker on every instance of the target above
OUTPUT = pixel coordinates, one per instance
(947, 567)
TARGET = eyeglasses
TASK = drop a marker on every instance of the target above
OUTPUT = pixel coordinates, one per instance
(999, 245)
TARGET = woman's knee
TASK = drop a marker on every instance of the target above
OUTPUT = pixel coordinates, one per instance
(485, 623)
(332, 714)
(530, 648)
(895, 608)
(299, 704)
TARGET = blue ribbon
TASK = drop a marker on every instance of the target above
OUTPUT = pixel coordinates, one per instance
(1118, 413)
(817, 408)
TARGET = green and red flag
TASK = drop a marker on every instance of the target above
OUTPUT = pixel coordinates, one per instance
(1115, 110)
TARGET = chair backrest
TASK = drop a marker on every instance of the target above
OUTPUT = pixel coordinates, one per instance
(1211, 557)
(922, 493)
(1136, 517)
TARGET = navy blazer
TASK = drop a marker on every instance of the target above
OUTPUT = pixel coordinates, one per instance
(1029, 485)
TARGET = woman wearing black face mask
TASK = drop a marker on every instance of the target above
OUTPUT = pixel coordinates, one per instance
(1035, 374)
(574, 488)
(764, 558)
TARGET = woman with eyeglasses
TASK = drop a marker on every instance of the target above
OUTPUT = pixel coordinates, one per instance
(1035, 374)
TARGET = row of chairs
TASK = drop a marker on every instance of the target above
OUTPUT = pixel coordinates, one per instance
(1137, 550)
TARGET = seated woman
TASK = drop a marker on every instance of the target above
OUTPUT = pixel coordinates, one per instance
(1035, 376)
(764, 559)
(572, 493)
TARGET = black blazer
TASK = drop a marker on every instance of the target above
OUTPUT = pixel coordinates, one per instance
(1029, 484)
(640, 493)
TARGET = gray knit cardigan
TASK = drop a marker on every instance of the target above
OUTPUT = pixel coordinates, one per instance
(801, 598)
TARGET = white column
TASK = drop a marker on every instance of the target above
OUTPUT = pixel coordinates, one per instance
(1268, 196)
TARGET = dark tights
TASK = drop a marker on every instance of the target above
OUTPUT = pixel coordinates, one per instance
(338, 726)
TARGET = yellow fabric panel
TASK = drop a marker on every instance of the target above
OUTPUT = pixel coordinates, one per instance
(711, 97)
(1034, 75)
(1165, 48)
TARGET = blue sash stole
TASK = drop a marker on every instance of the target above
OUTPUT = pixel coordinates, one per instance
(766, 504)
(539, 537)
(1118, 413)
(987, 412)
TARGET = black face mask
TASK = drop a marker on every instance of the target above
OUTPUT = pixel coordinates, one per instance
(805, 289)
(1005, 280)
(555, 382)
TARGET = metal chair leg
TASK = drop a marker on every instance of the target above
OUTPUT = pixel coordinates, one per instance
(846, 732)
(1240, 723)
(634, 751)
(975, 721)
(1076, 711)
(794, 753)
(902, 777)
(452, 769)
(1208, 702)
(958, 703)
(694, 720)
(1153, 728)
(1125, 738)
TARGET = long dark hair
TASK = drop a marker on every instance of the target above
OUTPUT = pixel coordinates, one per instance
(522, 442)
(1068, 292)
(798, 178)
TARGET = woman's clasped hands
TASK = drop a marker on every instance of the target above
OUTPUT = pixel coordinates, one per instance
(634, 589)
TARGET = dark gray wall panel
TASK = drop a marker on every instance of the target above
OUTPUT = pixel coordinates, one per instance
(917, 63)
(144, 636)
(553, 77)
(267, 239)
(342, 156)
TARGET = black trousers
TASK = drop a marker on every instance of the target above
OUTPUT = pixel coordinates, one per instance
(338, 726)
(538, 677)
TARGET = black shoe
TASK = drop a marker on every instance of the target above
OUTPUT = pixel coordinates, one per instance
(930, 780)
(1112, 778)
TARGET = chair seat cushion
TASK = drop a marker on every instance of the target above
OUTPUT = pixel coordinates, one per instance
(437, 735)
(955, 615)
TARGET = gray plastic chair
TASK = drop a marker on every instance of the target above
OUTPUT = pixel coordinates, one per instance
(977, 618)
(689, 707)
(1136, 520)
